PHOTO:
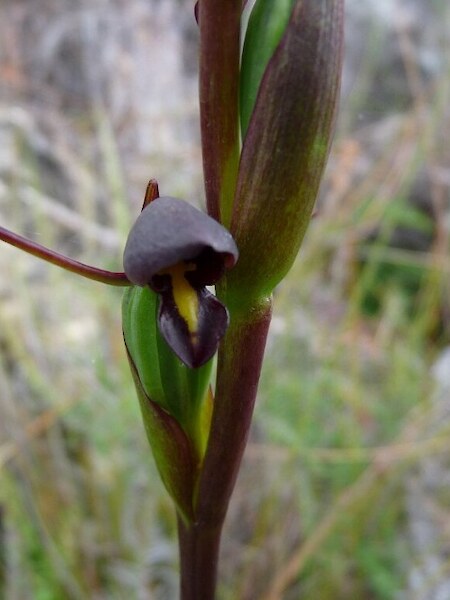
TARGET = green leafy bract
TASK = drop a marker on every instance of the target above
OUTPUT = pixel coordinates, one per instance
(265, 28)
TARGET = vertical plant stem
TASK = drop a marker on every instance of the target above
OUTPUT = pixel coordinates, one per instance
(219, 22)
(199, 555)
(238, 371)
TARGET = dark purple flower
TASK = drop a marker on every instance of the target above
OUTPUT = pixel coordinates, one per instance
(177, 251)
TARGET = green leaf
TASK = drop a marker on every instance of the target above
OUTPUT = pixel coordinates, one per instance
(265, 28)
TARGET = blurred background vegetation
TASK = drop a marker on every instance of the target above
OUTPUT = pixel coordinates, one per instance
(345, 488)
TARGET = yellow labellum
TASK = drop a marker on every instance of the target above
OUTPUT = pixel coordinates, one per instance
(184, 295)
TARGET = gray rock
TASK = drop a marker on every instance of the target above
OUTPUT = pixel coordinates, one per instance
(389, 45)
(428, 500)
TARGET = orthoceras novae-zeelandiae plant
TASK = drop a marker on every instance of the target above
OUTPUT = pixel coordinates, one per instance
(267, 109)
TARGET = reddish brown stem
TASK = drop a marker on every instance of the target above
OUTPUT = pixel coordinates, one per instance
(100, 275)
(238, 370)
(199, 555)
(219, 22)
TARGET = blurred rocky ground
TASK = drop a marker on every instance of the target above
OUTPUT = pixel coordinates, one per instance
(97, 96)
(428, 500)
(88, 88)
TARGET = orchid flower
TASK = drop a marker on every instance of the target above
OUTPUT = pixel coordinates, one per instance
(177, 251)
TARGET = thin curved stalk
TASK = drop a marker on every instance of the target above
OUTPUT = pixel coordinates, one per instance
(62, 261)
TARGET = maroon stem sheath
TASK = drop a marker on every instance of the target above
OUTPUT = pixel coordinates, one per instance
(219, 22)
(239, 367)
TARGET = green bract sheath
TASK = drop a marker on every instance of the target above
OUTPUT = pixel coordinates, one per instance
(286, 147)
(174, 399)
(171, 450)
(164, 377)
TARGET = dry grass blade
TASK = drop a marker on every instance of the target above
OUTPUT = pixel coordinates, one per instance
(297, 561)
(34, 429)
(386, 460)
(388, 454)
